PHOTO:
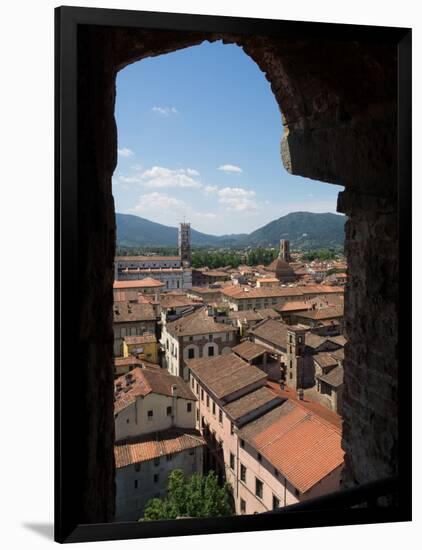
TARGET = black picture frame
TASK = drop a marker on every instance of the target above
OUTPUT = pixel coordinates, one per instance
(68, 391)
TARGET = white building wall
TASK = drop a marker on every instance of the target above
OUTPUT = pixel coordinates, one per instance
(132, 497)
(134, 421)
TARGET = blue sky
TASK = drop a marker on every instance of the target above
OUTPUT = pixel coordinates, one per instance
(199, 138)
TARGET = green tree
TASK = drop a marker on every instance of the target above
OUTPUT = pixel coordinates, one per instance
(196, 496)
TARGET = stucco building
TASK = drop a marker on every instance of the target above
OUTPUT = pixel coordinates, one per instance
(155, 434)
(198, 334)
(131, 319)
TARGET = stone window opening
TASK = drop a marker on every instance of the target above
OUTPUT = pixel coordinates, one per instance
(315, 133)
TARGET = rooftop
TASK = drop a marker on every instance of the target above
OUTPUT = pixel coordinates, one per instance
(225, 374)
(249, 350)
(198, 322)
(244, 293)
(323, 313)
(148, 282)
(297, 442)
(254, 315)
(155, 445)
(125, 312)
(141, 382)
(274, 332)
(250, 402)
(334, 377)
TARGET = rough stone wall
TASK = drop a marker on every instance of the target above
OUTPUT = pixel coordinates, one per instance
(339, 113)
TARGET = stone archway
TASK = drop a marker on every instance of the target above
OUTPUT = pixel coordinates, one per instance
(339, 111)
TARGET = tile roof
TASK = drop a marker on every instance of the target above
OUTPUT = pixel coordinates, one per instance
(130, 361)
(254, 315)
(150, 446)
(125, 312)
(323, 313)
(301, 445)
(274, 332)
(198, 322)
(141, 382)
(289, 393)
(244, 293)
(334, 377)
(148, 282)
(321, 289)
(293, 306)
(249, 350)
(225, 374)
(250, 402)
(325, 359)
(146, 338)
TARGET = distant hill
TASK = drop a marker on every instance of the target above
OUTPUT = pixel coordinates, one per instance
(305, 230)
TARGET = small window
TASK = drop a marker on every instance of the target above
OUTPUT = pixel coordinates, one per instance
(137, 467)
(168, 411)
(243, 473)
(220, 416)
(259, 457)
(232, 461)
(259, 488)
(156, 478)
(297, 492)
(210, 337)
(169, 457)
(231, 428)
(210, 352)
(191, 353)
(202, 394)
(242, 506)
(192, 382)
(242, 443)
(213, 408)
(150, 415)
(275, 472)
(208, 401)
(157, 461)
(136, 484)
(190, 338)
(192, 452)
(290, 375)
(276, 502)
(127, 420)
(189, 407)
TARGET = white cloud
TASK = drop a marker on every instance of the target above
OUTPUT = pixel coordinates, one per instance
(237, 199)
(210, 189)
(158, 176)
(165, 111)
(153, 203)
(230, 169)
(125, 152)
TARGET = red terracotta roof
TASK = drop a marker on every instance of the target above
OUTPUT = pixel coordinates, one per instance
(141, 382)
(155, 445)
(148, 282)
(301, 445)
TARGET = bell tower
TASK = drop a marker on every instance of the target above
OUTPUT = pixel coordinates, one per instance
(285, 250)
(184, 244)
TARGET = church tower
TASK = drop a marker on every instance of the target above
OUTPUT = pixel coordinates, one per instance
(184, 244)
(295, 348)
(285, 250)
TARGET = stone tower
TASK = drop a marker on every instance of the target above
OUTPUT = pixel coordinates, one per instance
(285, 250)
(184, 243)
(295, 348)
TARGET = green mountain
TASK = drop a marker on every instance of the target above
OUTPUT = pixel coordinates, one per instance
(305, 230)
